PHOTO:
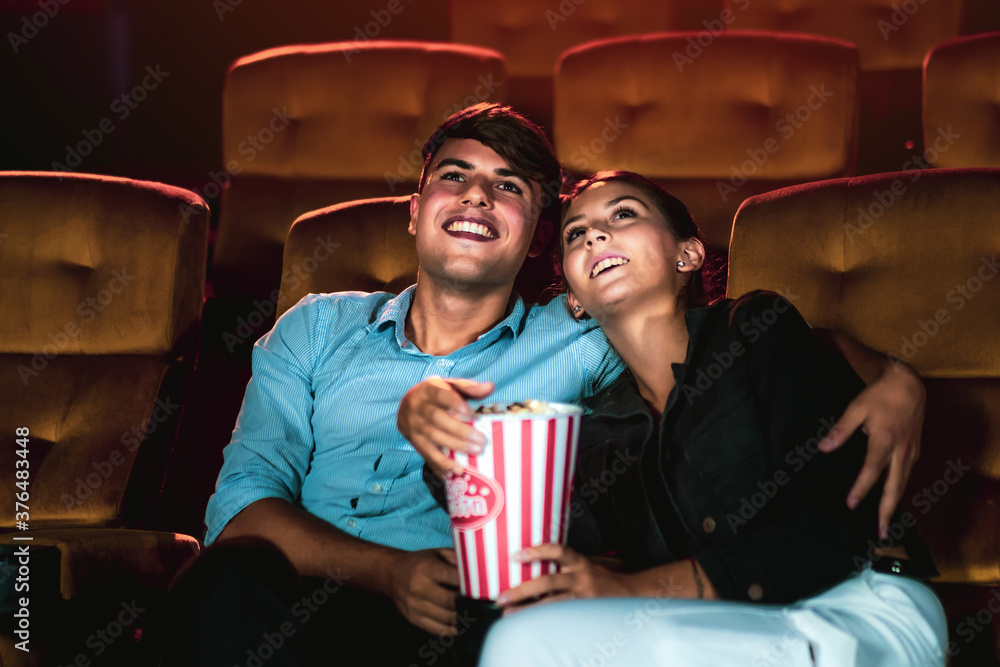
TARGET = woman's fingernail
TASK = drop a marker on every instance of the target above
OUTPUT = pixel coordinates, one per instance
(503, 599)
(883, 532)
(852, 502)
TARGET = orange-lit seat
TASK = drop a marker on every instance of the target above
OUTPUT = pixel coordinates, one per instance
(892, 38)
(103, 281)
(375, 253)
(532, 35)
(314, 125)
(962, 102)
(908, 263)
(714, 124)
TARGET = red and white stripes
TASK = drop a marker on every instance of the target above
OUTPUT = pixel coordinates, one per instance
(526, 468)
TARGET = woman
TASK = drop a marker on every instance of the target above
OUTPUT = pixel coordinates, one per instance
(729, 511)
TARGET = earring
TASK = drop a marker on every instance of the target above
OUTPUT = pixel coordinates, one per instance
(577, 309)
(680, 265)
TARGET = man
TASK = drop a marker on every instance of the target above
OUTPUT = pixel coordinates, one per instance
(317, 483)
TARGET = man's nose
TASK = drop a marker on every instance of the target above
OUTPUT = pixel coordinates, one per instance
(477, 194)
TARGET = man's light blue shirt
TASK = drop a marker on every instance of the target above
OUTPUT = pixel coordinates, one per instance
(318, 422)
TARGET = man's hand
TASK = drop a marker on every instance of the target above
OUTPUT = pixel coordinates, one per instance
(891, 412)
(422, 585)
(434, 415)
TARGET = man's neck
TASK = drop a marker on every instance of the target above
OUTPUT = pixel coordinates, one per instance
(442, 320)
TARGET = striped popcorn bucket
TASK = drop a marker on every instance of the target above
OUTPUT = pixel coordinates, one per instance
(514, 494)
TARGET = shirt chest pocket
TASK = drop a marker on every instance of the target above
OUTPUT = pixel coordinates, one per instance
(725, 449)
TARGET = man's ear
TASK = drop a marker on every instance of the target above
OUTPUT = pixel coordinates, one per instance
(414, 210)
(543, 232)
(693, 254)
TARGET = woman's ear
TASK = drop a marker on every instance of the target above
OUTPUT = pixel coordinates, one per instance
(692, 254)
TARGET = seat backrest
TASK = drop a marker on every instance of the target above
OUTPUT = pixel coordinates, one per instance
(102, 287)
(962, 102)
(531, 36)
(313, 125)
(365, 246)
(746, 108)
(889, 34)
(905, 263)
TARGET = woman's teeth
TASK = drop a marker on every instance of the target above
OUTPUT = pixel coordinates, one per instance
(605, 263)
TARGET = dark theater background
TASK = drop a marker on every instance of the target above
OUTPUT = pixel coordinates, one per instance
(130, 310)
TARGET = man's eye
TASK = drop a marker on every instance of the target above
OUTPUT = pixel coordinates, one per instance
(451, 176)
(510, 186)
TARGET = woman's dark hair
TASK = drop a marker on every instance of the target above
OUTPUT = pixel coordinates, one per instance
(521, 143)
(700, 290)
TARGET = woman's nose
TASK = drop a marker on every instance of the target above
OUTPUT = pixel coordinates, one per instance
(594, 234)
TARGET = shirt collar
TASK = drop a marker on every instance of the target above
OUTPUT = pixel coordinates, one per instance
(395, 311)
(621, 399)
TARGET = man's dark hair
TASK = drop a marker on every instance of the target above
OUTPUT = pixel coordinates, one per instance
(521, 143)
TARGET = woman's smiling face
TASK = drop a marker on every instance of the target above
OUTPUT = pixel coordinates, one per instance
(617, 246)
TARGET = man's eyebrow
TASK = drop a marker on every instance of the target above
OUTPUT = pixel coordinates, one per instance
(453, 162)
(608, 204)
(509, 173)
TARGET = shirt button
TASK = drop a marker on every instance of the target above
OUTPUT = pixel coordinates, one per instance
(708, 525)
(377, 488)
(443, 363)
(755, 592)
(351, 523)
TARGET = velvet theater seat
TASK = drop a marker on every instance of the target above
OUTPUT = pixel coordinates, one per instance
(892, 38)
(313, 125)
(962, 102)
(531, 36)
(907, 263)
(102, 286)
(714, 124)
(364, 245)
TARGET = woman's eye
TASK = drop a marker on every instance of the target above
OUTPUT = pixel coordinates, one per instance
(623, 212)
(572, 233)
(510, 186)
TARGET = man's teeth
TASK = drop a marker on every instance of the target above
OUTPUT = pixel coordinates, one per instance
(471, 227)
(605, 263)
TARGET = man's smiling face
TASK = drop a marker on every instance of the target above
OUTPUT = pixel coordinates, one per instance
(475, 219)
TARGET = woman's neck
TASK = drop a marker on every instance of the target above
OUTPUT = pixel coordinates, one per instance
(649, 340)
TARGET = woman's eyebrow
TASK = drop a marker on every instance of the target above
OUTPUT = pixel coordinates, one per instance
(608, 204)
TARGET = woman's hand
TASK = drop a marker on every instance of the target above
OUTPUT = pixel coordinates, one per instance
(578, 578)
(891, 412)
(433, 415)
